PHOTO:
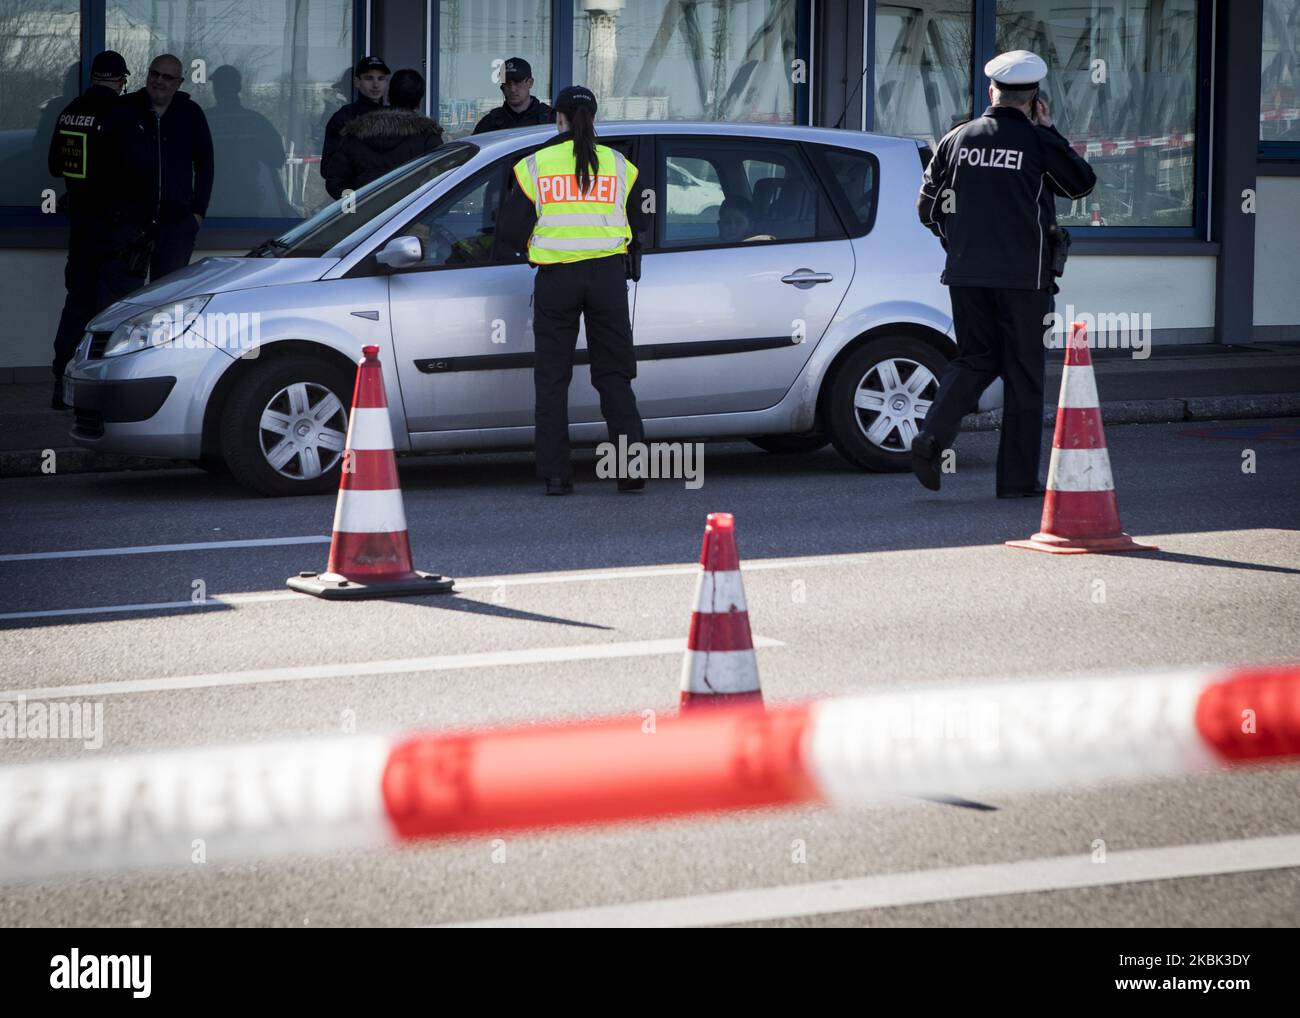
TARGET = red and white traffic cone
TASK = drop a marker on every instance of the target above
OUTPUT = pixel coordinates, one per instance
(370, 555)
(1080, 513)
(1096, 216)
(719, 667)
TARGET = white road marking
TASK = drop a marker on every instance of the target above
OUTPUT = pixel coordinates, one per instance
(469, 583)
(356, 669)
(155, 549)
(923, 887)
(215, 601)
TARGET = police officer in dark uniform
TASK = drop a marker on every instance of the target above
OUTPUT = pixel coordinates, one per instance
(107, 250)
(574, 206)
(989, 194)
(521, 108)
(371, 82)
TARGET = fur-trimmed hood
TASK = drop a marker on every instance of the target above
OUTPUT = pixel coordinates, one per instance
(389, 127)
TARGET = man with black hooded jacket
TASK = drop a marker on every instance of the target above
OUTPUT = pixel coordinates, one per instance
(172, 151)
(374, 143)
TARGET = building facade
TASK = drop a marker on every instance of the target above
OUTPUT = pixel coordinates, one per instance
(1188, 110)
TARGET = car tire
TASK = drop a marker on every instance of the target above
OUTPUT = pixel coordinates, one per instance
(880, 378)
(296, 389)
(790, 444)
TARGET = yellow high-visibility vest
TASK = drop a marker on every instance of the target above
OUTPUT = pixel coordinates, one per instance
(573, 226)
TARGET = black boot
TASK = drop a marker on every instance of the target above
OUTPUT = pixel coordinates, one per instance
(925, 461)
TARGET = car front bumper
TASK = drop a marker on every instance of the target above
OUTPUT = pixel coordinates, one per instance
(148, 403)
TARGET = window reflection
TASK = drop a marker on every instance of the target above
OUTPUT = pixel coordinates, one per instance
(40, 74)
(1122, 85)
(684, 60)
(1279, 80)
(923, 67)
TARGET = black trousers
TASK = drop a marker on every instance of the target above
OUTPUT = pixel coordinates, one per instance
(595, 289)
(95, 276)
(999, 332)
(173, 245)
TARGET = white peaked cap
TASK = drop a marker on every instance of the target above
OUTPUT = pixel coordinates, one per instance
(1018, 68)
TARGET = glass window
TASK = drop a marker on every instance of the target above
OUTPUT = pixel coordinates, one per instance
(271, 76)
(340, 219)
(729, 193)
(855, 174)
(923, 67)
(39, 75)
(458, 230)
(475, 40)
(668, 60)
(1121, 82)
(1279, 80)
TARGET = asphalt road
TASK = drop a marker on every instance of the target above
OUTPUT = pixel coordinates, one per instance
(860, 581)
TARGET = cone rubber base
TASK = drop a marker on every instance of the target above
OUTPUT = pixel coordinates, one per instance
(1056, 545)
(349, 590)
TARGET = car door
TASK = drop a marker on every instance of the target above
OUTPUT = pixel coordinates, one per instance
(463, 323)
(748, 265)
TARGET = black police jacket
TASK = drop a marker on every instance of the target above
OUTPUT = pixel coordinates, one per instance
(173, 155)
(339, 120)
(89, 151)
(503, 117)
(989, 194)
(371, 145)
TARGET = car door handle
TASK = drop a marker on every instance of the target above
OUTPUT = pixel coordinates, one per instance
(804, 278)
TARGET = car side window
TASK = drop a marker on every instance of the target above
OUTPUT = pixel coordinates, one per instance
(857, 175)
(722, 192)
(458, 229)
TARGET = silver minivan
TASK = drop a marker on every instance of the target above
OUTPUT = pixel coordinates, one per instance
(807, 311)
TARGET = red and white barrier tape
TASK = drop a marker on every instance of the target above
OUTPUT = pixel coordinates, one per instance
(108, 815)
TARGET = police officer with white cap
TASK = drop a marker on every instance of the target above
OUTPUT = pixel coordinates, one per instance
(989, 194)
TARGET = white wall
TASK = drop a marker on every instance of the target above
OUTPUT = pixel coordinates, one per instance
(1277, 251)
(1178, 292)
(31, 299)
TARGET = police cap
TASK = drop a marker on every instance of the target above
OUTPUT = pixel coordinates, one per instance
(574, 96)
(109, 64)
(1017, 68)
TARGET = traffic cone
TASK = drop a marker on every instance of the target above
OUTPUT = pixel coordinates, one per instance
(719, 667)
(370, 554)
(1096, 216)
(1080, 513)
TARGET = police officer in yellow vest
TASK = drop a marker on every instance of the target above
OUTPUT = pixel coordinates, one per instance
(574, 204)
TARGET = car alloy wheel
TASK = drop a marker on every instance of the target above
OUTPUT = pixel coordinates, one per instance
(891, 401)
(302, 431)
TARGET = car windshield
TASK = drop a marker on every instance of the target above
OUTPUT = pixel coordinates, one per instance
(339, 219)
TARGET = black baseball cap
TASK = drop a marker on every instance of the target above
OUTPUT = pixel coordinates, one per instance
(109, 64)
(517, 69)
(370, 64)
(574, 96)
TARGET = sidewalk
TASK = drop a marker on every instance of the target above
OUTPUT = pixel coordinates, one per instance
(1179, 383)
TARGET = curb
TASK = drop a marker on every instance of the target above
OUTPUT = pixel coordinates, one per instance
(1167, 411)
(75, 460)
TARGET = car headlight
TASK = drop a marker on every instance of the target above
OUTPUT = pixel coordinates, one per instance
(160, 326)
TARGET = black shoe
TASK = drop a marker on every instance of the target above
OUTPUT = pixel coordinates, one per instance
(56, 401)
(559, 486)
(631, 484)
(925, 461)
(1037, 492)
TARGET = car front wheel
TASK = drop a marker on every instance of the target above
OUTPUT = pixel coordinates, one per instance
(879, 398)
(284, 426)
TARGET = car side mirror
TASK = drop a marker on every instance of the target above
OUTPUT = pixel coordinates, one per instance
(401, 253)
